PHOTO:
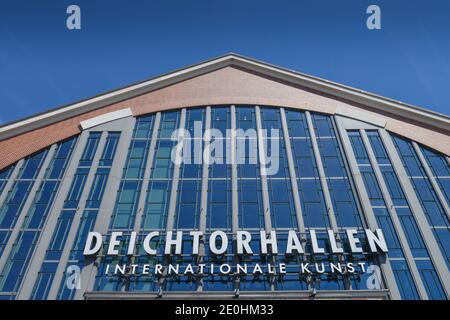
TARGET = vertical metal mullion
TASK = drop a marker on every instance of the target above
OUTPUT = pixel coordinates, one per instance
(367, 208)
(26, 207)
(205, 176)
(348, 169)
(264, 185)
(9, 185)
(147, 174)
(204, 195)
(77, 219)
(323, 179)
(115, 177)
(173, 197)
(11, 181)
(293, 178)
(102, 222)
(292, 175)
(325, 187)
(52, 220)
(349, 178)
(407, 187)
(234, 174)
(393, 213)
(234, 189)
(175, 182)
(432, 179)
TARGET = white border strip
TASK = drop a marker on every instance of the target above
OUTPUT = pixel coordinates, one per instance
(104, 118)
(361, 115)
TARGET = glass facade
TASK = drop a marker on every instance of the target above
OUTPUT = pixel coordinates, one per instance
(393, 203)
(50, 201)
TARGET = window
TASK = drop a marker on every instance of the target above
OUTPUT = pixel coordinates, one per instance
(220, 119)
(219, 209)
(37, 215)
(409, 157)
(425, 192)
(163, 165)
(155, 213)
(431, 280)
(169, 123)
(13, 203)
(332, 162)
(110, 149)
(188, 204)
(64, 292)
(393, 185)
(221, 122)
(90, 149)
(297, 124)
(245, 118)
(400, 209)
(32, 165)
(358, 147)
(250, 204)
(144, 126)
(441, 170)
(60, 235)
(378, 147)
(315, 214)
(4, 176)
(86, 225)
(304, 160)
(137, 157)
(404, 280)
(61, 159)
(126, 203)
(191, 166)
(98, 188)
(412, 233)
(372, 187)
(76, 188)
(38, 212)
(443, 239)
(44, 281)
(281, 204)
(17, 264)
(344, 203)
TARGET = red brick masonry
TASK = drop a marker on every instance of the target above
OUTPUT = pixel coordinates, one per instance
(228, 85)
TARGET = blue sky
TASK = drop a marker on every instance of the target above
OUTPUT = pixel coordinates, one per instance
(44, 65)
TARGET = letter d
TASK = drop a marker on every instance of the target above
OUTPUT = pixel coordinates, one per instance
(88, 249)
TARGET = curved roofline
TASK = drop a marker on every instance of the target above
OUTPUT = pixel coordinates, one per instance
(422, 115)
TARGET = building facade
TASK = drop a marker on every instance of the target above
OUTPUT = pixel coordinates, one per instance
(346, 160)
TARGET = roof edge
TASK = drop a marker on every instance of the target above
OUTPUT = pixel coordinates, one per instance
(422, 115)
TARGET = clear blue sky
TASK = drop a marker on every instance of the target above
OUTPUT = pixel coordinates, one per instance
(44, 65)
